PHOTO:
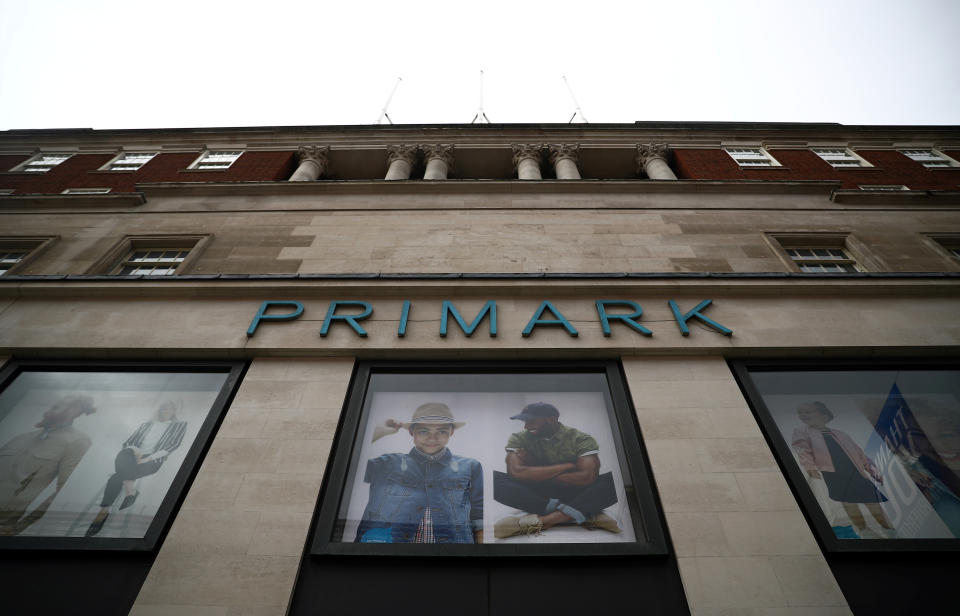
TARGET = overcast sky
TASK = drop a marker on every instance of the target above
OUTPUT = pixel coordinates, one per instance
(189, 63)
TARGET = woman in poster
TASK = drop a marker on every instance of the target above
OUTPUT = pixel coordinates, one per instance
(30, 462)
(427, 495)
(141, 455)
(834, 457)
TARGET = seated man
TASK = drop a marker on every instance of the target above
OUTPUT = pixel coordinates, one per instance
(427, 495)
(553, 472)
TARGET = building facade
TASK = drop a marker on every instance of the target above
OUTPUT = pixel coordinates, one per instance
(719, 277)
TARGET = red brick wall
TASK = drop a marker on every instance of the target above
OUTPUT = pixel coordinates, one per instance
(889, 167)
(80, 171)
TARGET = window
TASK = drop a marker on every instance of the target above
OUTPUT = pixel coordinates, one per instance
(41, 163)
(840, 157)
(167, 409)
(823, 260)
(129, 161)
(16, 252)
(948, 243)
(883, 187)
(471, 413)
(821, 253)
(86, 191)
(930, 158)
(752, 157)
(871, 450)
(154, 255)
(157, 262)
(216, 160)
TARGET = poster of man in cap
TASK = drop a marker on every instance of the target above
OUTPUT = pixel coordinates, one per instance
(432, 467)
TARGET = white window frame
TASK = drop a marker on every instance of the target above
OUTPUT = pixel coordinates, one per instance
(750, 156)
(86, 191)
(840, 157)
(119, 162)
(38, 163)
(883, 187)
(112, 263)
(852, 251)
(215, 165)
(931, 158)
(946, 243)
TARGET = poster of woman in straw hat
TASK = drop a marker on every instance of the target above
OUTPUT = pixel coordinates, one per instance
(431, 451)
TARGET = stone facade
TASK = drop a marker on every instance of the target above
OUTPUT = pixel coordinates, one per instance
(553, 201)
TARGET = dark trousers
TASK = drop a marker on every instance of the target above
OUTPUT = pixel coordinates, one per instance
(127, 468)
(533, 496)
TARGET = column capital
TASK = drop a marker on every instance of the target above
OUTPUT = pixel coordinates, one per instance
(559, 151)
(526, 150)
(406, 153)
(438, 150)
(315, 153)
(648, 151)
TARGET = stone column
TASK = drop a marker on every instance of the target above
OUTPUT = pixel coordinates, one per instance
(313, 163)
(439, 161)
(564, 160)
(400, 159)
(652, 159)
(526, 158)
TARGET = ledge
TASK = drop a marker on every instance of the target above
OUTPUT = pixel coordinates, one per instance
(455, 186)
(61, 201)
(896, 197)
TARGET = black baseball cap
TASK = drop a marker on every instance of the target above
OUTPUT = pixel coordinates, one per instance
(535, 410)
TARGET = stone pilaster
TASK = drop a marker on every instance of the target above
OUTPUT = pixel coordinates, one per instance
(313, 163)
(400, 161)
(439, 159)
(526, 159)
(653, 159)
(564, 157)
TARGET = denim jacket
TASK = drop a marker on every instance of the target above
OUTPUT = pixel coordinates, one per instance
(403, 484)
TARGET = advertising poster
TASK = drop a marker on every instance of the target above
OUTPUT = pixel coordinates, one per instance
(880, 465)
(486, 467)
(93, 454)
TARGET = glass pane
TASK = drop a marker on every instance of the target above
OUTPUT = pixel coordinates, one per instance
(460, 458)
(879, 450)
(95, 453)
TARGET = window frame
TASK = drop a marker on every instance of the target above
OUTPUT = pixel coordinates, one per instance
(25, 166)
(806, 500)
(119, 158)
(33, 246)
(86, 191)
(934, 155)
(198, 164)
(184, 475)
(645, 508)
(781, 241)
(946, 245)
(111, 263)
(848, 155)
(763, 154)
(883, 187)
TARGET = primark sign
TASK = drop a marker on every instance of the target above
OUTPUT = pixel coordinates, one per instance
(352, 314)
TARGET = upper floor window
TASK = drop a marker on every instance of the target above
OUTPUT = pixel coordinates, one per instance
(86, 191)
(822, 253)
(216, 160)
(15, 252)
(823, 260)
(840, 157)
(883, 187)
(948, 242)
(930, 158)
(752, 157)
(129, 161)
(41, 163)
(151, 255)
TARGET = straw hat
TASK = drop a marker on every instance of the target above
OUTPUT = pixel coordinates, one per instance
(431, 413)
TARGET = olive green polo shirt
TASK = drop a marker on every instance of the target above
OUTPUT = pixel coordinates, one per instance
(565, 446)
